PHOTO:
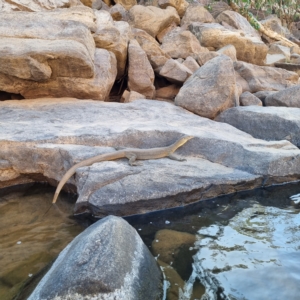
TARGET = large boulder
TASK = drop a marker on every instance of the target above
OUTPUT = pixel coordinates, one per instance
(175, 72)
(268, 123)
(60, 24)
(152, 19)
(39, 60)
(37, 5)
(218, 7)
(127, 4)
(211, 89)
(180, 43)
(179, 5)
(196, 13)
(140, 72)
(53, 54)
(107, 261)
(118, 13)
(274, 23)
(97, 87)
(95, 4)
(289, 97)
(237, 21)
(248, 48)
(157, 57)
(114, 37)
(261, 78)
(67, 131)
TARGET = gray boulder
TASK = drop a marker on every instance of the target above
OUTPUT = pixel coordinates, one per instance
(107, 261)
(268, 123)
(237, 21)
(262, 95)
(211, 89)
(66, 131)
(262, 78)
(247, 99)
(289, 97)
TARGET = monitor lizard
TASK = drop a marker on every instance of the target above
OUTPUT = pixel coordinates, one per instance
(132, 154)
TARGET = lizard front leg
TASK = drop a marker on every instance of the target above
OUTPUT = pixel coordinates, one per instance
(132, 160)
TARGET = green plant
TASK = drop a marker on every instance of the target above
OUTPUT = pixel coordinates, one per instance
(287, 10)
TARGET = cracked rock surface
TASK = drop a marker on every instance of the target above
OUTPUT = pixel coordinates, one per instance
(41, 139)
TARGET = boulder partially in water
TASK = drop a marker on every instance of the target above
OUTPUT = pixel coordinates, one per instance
(106, 261)
(220, 158)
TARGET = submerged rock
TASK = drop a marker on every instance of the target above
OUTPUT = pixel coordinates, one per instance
(106, 261)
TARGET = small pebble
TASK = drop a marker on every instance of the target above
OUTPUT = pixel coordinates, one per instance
(167, 222)
(156, 241)
(19, 242)
(29, 275)
(140, 229)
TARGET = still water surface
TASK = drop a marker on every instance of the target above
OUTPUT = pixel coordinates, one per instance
(245, 246)
(31, 235)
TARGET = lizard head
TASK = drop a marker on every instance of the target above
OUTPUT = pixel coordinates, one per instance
(184, 139)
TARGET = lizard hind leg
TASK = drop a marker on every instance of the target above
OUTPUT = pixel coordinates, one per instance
(132, 160)
(174, 157)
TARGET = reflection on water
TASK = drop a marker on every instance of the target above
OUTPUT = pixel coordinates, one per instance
(256, 256)
(246, 247)
(31, 235)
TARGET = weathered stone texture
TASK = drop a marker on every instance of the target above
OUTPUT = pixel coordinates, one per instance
(103, 270)
(267, 123)
(265, 78)
(247, 99)
(196, 13)
(67, 131)
(157, 57)
(140, 72)
(179, 5)
(237, 21)
(211, 89)
(114, 37)
(152, 19)
(37, 5)
(175, 72)
(289, 97)
(249, 49)
(180, 43)
(97, 87)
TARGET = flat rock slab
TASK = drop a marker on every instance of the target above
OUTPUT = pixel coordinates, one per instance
(268, 123)
(41, 139)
